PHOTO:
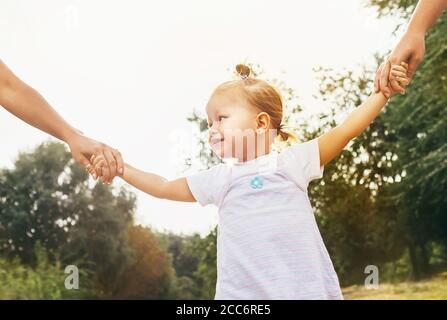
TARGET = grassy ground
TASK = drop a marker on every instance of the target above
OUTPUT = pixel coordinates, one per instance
(432, 288)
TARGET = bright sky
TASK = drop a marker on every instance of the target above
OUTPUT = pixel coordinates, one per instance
(129, 72)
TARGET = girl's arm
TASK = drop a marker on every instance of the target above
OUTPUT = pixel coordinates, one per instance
(157, 186)
(333, 142)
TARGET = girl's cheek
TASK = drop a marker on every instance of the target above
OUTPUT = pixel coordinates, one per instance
(226, 147)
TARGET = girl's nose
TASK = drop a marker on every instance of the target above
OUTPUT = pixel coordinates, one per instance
(214, 129)
(213, 132)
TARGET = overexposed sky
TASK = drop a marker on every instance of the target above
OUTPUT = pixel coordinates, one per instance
(129, 72)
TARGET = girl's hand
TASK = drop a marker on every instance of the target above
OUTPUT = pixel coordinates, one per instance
(98, 165)
(83, 147)
(333, 142)
(411, 48)
(399, 78)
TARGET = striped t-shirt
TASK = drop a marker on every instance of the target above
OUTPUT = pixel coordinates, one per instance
(268, 242)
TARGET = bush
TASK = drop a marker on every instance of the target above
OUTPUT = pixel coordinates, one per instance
(45, 281)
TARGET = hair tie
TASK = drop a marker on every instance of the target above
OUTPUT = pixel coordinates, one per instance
(243, 71)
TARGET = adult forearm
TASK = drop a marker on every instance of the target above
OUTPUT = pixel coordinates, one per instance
(425, 15)
(27, 104)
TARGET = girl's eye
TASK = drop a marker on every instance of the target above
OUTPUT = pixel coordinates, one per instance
(219, 118)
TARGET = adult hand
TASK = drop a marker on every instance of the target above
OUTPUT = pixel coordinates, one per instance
(82, 148)
(410, 49)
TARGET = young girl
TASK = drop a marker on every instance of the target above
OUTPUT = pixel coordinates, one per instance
(268, 244)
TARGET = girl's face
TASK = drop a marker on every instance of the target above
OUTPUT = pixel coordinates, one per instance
(232, 124)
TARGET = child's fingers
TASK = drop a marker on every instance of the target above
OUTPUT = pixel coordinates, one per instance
(397, 87)
(403, 81)
(95, 168)
(99, 164)
(97, 160)
(91, 170)
(99, 171)
(398, 68)
(398, 74)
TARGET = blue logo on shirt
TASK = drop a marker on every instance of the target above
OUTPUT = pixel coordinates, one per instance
(256, 182)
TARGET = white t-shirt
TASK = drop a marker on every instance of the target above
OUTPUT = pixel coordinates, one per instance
(268, 242)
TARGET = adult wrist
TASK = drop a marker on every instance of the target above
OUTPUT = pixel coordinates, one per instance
(71, 134)
(415, 31)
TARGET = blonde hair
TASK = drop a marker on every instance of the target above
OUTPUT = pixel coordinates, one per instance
(262, 95)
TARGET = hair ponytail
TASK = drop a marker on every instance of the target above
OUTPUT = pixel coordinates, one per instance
(286, 135)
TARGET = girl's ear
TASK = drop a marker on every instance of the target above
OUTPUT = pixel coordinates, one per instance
(263, 122)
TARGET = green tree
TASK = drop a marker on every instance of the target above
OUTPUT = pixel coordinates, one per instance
(149, 275)
(206, 273)
(47, 198)
(405, 151)
(417, 123)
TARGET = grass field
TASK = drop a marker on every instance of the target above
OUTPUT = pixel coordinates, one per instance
(432, 288)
